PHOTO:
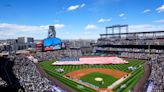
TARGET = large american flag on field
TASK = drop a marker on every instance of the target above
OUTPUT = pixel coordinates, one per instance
(90, 60)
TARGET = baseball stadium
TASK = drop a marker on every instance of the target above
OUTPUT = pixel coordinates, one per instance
(82, 46)
(115, 62)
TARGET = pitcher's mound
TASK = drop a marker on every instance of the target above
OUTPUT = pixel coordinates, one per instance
(98, 79)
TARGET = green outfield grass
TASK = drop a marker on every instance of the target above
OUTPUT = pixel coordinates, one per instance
(68, 68)
(131, 81)
(107, 79)
(50, 70)
(69, 83)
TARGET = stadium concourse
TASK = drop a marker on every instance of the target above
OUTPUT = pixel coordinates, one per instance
(90, 61)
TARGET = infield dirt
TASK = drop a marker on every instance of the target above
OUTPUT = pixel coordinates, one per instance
(78, 73)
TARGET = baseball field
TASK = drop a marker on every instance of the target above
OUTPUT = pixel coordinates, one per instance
(92, 78)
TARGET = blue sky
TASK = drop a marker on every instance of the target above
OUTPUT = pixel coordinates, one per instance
(77, 19)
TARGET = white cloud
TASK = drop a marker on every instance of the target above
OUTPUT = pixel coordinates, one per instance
(16, 27)
(15, 30)
(90, 27)
(59, 25)
(6, 26)
(104, 20)
(74, 7)
(146, 10)
(82, 5)
(159, 21)
(160, 9)
(121, 15)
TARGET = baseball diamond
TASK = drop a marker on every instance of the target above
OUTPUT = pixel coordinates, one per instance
(82, 77)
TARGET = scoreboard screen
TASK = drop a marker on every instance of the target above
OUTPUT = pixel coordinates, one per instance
(52, 44)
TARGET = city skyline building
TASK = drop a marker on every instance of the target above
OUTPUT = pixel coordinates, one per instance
(51, 32)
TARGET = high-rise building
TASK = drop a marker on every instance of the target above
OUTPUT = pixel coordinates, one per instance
(30, 40)
(51, 32)
(25, 40)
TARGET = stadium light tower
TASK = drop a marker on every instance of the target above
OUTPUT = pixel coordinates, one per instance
(116, 26)
(51, 32)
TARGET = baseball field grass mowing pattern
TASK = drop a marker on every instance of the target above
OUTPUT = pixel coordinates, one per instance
(130, 82)
(107, 79)
(68, 82)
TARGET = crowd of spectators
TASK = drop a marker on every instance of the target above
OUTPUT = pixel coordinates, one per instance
(136, 50)
(104, 41)
(8, 79)
(20, 73)
(57, 54)
(142, 56)
(2, 82)
(122, 41)
(29, 77)
(57, 89)
(140, 42)
(80, 43)
(157, 75)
